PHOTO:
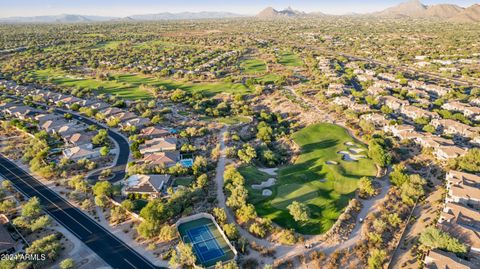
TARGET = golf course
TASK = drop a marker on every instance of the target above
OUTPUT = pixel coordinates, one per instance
(320, 177)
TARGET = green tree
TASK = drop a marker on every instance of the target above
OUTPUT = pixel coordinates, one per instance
(32, 208)
(377, 259)
(220, 215)
(365, 187)
(104, 151)
(247, 154)
(102, 188)
(299, 211)
(432, 238)
(67, 264)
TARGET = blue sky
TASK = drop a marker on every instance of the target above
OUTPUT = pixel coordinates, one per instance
(122, 8)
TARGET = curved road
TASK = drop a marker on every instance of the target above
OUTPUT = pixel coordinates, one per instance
(118, 169)
(111, 249)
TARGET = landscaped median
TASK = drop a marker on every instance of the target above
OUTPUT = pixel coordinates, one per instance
(324, 177)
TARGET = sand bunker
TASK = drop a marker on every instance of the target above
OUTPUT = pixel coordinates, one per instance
(323, 180)
(267, 192)
(270, 171)
(350, 144)
(349, 157)
(356, 150)
(265, 184)
(331, 162)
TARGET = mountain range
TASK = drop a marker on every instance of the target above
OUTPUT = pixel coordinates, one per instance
(409, 9)
(415, 9)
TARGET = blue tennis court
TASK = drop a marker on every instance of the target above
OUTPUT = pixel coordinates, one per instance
(205, 244)
(209, 244)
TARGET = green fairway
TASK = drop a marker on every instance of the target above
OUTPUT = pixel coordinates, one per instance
(253, 66)
(128, 85)
(290, 59)
(209, 89)
(326, 189)
(123, 90)
(268, 78)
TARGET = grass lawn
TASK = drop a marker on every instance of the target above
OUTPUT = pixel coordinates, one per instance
(326, 189)
(127, 86)
(253, 66)
(183, 181)
(290, 59)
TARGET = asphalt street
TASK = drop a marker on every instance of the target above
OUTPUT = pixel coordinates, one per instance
(112, 250)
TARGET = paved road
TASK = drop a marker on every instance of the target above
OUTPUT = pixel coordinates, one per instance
(113, 251)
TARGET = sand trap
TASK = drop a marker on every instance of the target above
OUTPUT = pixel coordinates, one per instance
(323, 180)
(270, 171)
(356, 150)
(331, 162)
(349, 157)
(350, 144)
(265, 184)
(266, 192)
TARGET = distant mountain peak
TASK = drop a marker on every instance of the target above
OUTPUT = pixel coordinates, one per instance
(270, 12)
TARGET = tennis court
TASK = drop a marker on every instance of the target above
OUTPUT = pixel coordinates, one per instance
(208, 243)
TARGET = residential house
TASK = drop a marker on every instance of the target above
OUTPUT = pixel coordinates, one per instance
(392, 102)
(448, 152)
(21, 112)
(68, 101)
(449, 126)
(359, 107)
(68, 130)
(438, 259)
(80, 139)
(153, 132)
(414, 112)
(42, 118)
(81, 152)
(137, 122)
(372, 90)
(386, 84)
(109, 112)
(163, 159)
(463, 188)
(403, 132)
(463, 223)
(99, 106)
(151, 185)
(376, 119)
(335, 89)
(344, 101)
(436, 90)
(159, 145)
(387, 77)
(51, 126)
(433, 141)
(123, 116)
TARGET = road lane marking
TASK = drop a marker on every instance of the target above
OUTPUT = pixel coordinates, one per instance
(50, 201)
(130, 263)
